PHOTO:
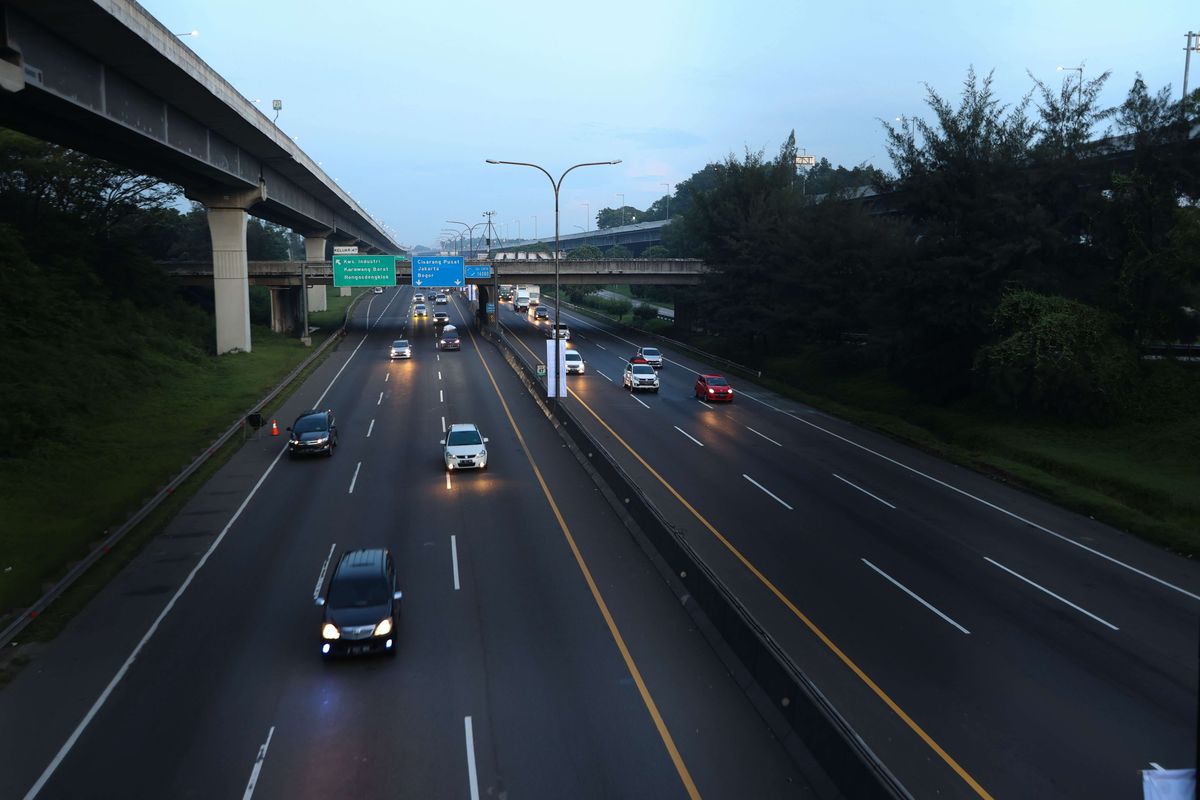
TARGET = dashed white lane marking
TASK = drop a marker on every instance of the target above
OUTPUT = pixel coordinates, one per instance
(472, 777)
(915, 596)
(635, 397)
(321, 577)
(693, 438)
(258, 762)
(386, 375)
(443, 424)
(768, 491)
(441, 397)
(706, 405)
(1059, 598)
(602, 347)
(864, 491)
(454, 558)
(439, 374)
(602, 375)
(380, 400)
(447, 479)
(370, 428)
(355, 478)
(763, 435)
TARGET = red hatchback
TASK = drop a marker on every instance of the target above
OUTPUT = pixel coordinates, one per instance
(713, 387)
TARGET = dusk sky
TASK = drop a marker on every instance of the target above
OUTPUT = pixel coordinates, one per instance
(402, 101)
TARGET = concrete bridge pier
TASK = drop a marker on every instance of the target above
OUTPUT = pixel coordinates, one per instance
(287, 309)
(314, 250)
(231, 286)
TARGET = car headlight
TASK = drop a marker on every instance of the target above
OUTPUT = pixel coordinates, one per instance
(482, 453)
(711, 390)
(322, 440)
(384, 627)
(330, 631)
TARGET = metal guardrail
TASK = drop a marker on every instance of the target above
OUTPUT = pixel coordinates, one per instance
(846, 758)
(78, 569)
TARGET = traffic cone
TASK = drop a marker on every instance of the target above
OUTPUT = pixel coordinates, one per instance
(274, 427)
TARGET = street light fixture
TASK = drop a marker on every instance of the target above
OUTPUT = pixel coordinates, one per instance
(559, 379)
(471, 231)
(1078, 69)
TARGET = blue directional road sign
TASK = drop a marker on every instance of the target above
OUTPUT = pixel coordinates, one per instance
(437, 271)
(479, 271)
(491, 308)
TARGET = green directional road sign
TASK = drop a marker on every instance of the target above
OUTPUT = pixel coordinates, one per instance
(378, 270)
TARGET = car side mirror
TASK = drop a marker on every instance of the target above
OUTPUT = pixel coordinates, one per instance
(443, 441)
(485, 440)
(320, 601)
(397, 595)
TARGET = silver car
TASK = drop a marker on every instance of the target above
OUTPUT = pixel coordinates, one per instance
(575, 363)
(401, 349)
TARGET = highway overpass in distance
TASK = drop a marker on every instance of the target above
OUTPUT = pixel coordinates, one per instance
(108, 79)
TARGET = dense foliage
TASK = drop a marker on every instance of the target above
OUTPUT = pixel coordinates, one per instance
(1012, 252)
(86, 316)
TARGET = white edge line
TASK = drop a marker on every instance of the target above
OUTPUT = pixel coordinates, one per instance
(258, 762)
(768, 491)
(354, 480)
(100, 701)
(1004, 511)
(693, 438)
(324, 568)
(370, 428)
(454, 559)
(472, 776)
(864, 491)
(763, 435)
(915, 596)
(635, 397)
(1059, 598)
(339, 372)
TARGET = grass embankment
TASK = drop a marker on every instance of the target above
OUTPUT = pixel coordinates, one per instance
(625, 290)
(64, 495)
(1139, 474)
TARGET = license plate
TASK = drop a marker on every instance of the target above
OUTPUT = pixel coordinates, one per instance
(359, 649)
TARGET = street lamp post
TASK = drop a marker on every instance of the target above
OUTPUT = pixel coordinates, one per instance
(622, 207)
(471, 231)
(1078, 69)
(557, 185)
(668, 199)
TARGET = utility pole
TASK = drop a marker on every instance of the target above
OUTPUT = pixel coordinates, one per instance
(1188, 47)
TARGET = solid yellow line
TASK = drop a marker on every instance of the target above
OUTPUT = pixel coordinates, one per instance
(659, 723)
(917, 729)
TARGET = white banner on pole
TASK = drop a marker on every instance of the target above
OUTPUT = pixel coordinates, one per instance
(556, 370)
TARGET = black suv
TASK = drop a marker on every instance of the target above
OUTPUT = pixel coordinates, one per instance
(313, 432)
(362, 606)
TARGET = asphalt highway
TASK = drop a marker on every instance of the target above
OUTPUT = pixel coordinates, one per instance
(983, 642)
(540, 654)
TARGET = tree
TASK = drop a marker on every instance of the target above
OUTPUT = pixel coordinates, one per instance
(618, 251)
(615, 217)
(585, 253)
(656, 251)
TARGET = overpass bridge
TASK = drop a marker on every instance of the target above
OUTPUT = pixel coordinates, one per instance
(106, 78)
(636, 237)
(284, 276)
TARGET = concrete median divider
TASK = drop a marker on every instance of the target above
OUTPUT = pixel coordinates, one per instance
(847, 762)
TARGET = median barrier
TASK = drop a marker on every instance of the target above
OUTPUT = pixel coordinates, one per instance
(846, 759)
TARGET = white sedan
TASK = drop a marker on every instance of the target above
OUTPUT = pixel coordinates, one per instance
(463, 447)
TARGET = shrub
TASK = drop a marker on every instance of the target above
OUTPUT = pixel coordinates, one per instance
(1057, 356)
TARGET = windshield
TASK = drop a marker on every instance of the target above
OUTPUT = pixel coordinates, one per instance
(716, 380)
(643, 369)
(650, 351)
(573, 357)
(310, 424)
(358, 593)
(400, 343)
(457, 438)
